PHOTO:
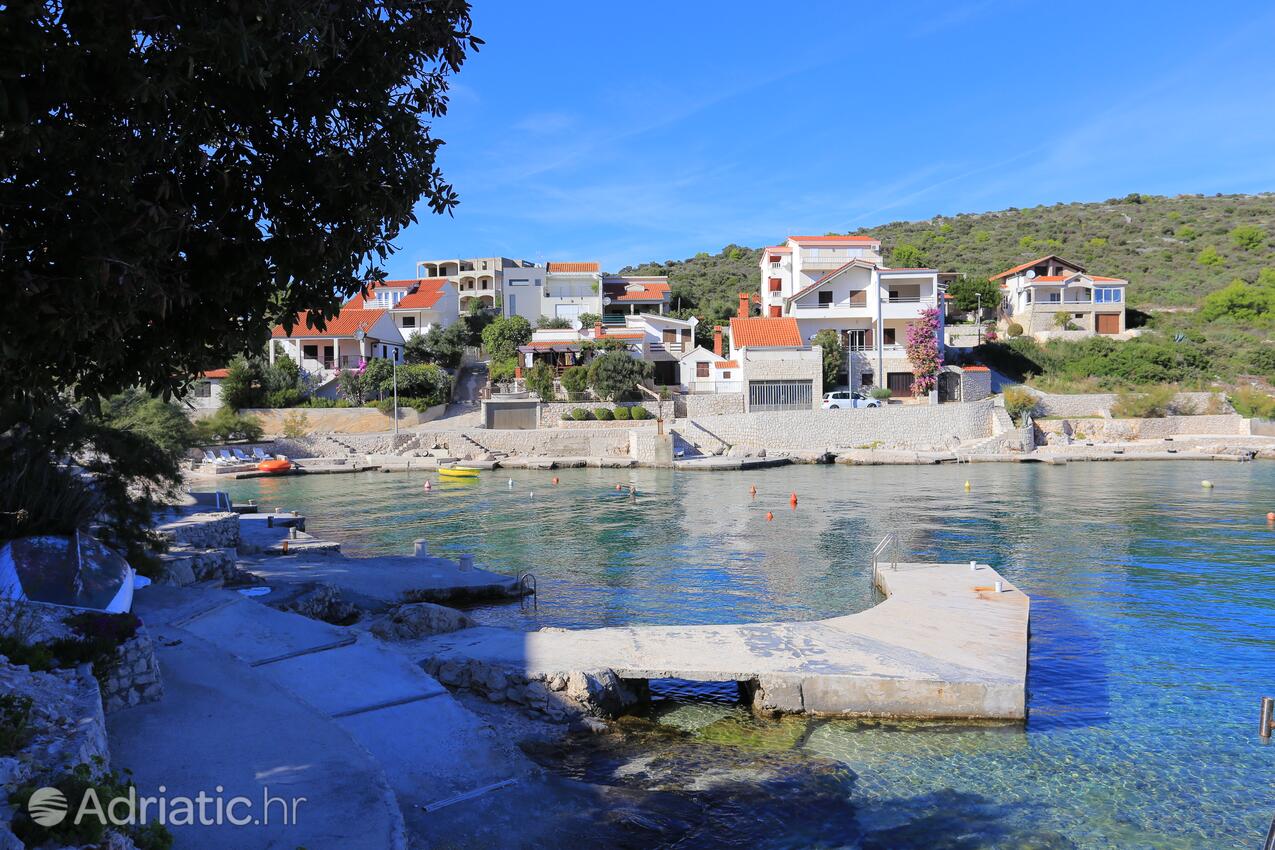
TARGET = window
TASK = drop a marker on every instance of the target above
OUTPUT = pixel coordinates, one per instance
(865, 380)
(518, 281)
(774, 260)
(1028, 295)
(856, 340)
(310, 351)
(776, 285)
(859, 298)
(701, 370)
(888, 336)
(1055, 297)
(776, 312)
(1107, 295)
(726, 376)
(203, 389)
(825, 298)
(409, 321)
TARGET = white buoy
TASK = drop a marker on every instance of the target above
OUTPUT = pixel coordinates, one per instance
(511, 484)
(973, 565)
(1000, 588)
(1206, 484)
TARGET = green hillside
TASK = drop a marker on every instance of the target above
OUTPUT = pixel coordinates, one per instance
(1173, 251)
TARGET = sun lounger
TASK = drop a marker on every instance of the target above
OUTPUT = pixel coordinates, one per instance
(209, 457)
(240, 456)
(226, 456)
(259, 454)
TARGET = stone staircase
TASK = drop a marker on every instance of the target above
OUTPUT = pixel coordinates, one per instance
(689, 436)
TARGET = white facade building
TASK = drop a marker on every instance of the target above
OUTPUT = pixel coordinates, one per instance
(349, 339)
(571, 289)
(841, 283)
(415, 305)
(1050, 296)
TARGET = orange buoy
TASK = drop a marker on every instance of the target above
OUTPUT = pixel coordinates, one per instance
(769, 516)
(793, 499)
(555, 479)
(752, 491)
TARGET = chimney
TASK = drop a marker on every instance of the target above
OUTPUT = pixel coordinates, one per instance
(743, 305)
(717, 340)
(598, 330)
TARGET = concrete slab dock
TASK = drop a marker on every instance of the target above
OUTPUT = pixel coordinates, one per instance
(940, 646)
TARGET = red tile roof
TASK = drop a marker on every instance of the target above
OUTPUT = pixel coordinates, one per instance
(976, 369)
(623, 335)
(215, 373)
(426, 296)
(344, 324)
(866, 239)
(765, 333)
(363, 302)
(650, 291)
(1107, 279)
(572, 267)
(727, 364)
(1034, 262)
(778, 249)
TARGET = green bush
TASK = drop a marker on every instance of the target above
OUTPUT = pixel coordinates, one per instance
(603, 414)
(614, 374)
(639, 413)
(285, 398)
(540, 380)
(296, 424)
(225, 425)
(1156, 402)
(324, 403)
(621, 413)
(1253, 404)
(1019, 403)
(880, 393)
(575, 381)
(502, 370)
(75, 785)
(581, 414)
(1014, 329)
(15, 723)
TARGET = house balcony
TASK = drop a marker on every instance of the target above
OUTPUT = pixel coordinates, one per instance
(906, 306)
(831, 311)
(826, 261)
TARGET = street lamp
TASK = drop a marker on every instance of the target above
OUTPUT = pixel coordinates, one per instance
(978, 316)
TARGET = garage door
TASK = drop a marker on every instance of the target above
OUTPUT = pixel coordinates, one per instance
(900, 383)
(568, 311)
(1108, 323)
(780, 395)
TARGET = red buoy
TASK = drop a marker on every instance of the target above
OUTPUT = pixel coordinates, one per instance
(769, 516)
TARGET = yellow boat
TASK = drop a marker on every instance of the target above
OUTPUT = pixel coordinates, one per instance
(457, 472)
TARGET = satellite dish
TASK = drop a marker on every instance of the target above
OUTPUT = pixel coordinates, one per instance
(606, 300)
(1031, 274)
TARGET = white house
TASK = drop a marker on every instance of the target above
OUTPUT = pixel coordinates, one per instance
(778, 370)
(348, 339)
(511, 285)
(571, 289)
(630, 295)
(841, 283)
(1038, 292)
(703, 371)
(414, 305)
(205, 393)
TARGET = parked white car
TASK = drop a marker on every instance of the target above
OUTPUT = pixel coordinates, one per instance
(844, 399)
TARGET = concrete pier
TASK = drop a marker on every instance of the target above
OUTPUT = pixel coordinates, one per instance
(939, 646)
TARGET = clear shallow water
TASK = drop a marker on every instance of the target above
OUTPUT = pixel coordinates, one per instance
(1153, 620)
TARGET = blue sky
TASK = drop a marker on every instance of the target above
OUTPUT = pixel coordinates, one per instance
(629, 132)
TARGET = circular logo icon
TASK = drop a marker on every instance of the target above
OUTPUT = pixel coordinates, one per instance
(47, 807)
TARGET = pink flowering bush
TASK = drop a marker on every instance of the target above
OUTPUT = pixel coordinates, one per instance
(925, 352)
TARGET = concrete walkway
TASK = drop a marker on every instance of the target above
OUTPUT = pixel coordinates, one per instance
(937, 647)
(259, 697)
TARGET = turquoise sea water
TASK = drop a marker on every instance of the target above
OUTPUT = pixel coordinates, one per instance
(1153, 619)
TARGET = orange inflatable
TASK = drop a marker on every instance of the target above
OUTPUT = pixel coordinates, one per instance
(275, 465)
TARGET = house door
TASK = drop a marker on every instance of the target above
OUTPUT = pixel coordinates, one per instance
(899, 383)
(1108, 323)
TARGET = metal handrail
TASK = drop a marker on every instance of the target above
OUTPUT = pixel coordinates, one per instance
(527, 587)
(890, 541)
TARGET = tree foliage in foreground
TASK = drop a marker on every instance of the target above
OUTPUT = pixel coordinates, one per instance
(176, 176)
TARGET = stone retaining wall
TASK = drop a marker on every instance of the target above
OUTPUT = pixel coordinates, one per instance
(708, 404)
(1125, 430)
(553, 412)
(922, 427)
(342, 420)
(210, 530)
(573, 442)
(135, 679)
(1100, 404)
(560, 698)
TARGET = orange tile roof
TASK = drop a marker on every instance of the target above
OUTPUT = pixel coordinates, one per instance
(800, 239)
(1107, 279)
(652, 290)
(426, 296)
(976, 369)
(778, 249)
(344, 324)
(1034, 262)
(361, 301)
(765, 333)
(572, 267)
(623, 335)
(727, 364)
(215, 373)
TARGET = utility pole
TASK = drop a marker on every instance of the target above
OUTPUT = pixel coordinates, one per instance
(395, 373)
